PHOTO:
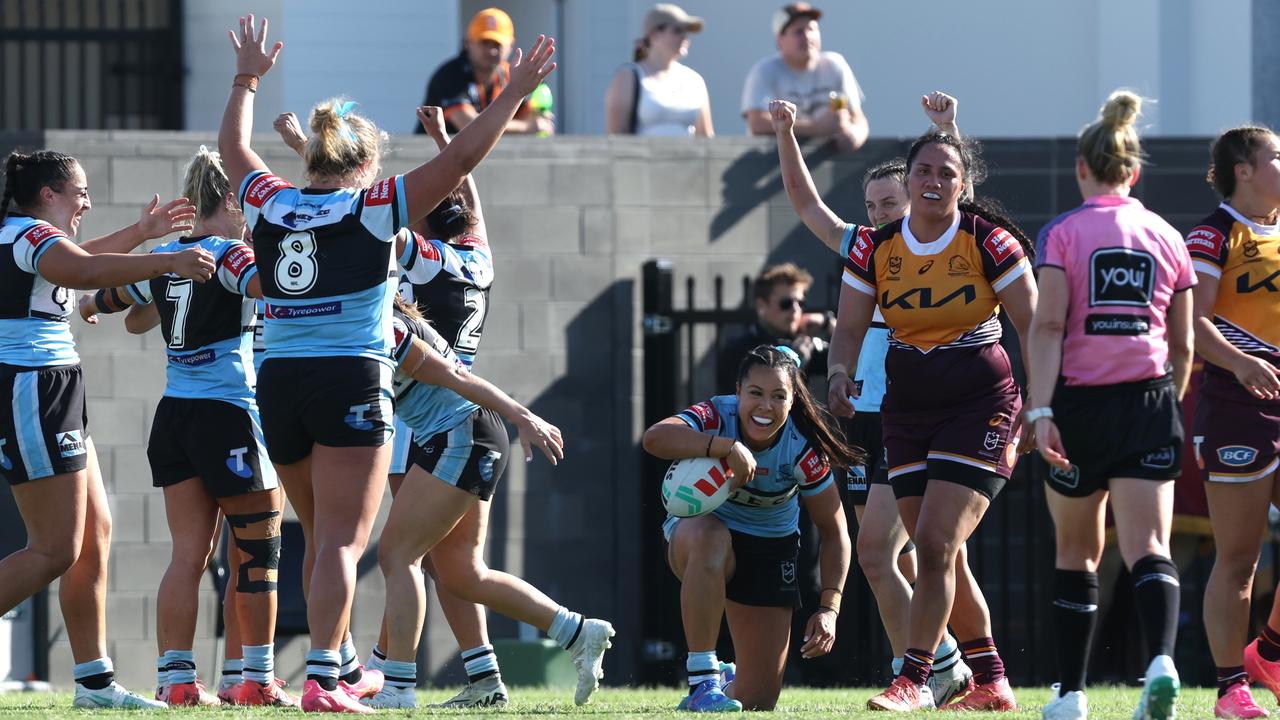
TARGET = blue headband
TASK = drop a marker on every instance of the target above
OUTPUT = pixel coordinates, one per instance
(792, 355)
(342, 111)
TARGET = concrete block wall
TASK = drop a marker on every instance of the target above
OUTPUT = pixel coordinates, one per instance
(571, 221)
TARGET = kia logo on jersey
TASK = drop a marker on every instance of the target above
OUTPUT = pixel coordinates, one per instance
(1121, 276)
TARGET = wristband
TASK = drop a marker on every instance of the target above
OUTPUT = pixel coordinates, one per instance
(709, 441)
(837, 368)
(1039, 413)
(828, 608)
(250, 82)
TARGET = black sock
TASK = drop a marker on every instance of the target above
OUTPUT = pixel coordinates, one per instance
(1156, 593)
(1228, 676)
(97, 682)
(1075, 613)
(352, 677)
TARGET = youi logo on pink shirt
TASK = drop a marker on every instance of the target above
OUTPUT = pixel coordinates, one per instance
(1121, 276)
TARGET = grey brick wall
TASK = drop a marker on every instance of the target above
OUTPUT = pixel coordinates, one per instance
(571, 221)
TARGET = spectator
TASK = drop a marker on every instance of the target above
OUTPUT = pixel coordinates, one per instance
(821, 84)
(466, 85)
(670, 98)
(780, 320)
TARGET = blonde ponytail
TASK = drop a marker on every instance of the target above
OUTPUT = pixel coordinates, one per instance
(206, 184)
(1110, 146)
(341, 140)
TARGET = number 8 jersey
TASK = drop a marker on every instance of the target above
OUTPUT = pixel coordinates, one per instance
(326, 265)
(207, 327)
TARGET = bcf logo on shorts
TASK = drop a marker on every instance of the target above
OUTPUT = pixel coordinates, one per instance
(1237, 455)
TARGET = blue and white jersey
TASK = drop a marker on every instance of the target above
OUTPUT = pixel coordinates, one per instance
(449, 282)
(326, 261)
(428, 410)
(875, 346)
(207, 327)
(34, 313)
(259, 344)
(767, 506)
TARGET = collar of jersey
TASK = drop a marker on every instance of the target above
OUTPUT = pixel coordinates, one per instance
(1255, 227)
(930, 248)
(193, 239)
(1111, 199)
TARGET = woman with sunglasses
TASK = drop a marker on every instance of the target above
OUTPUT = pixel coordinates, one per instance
(656, 94)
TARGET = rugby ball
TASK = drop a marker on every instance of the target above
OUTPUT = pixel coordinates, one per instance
(695, 486)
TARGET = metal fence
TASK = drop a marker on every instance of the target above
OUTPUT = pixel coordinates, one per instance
(91, 64)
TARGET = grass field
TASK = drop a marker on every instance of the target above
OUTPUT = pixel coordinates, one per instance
(1104, 703)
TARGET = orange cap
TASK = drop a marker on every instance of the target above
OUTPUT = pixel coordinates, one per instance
(492, 24)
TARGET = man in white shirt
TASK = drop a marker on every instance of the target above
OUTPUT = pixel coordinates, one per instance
(821, 84)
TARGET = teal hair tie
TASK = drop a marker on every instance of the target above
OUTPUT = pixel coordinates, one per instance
(342, 111)
(792, 355)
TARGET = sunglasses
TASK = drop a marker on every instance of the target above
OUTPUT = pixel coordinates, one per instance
(790, 303)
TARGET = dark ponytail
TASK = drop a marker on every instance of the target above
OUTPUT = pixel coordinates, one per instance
(992, 211)
(25, 175)
(811, 419)
(451, 218)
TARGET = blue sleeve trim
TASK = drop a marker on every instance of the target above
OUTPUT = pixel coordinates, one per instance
(136, 294)
(847, 240)
(815, 488)
(246, 276)
(44, 248)
(410, 252)
(402, 207)
(691, 421)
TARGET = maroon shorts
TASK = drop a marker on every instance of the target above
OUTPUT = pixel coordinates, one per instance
(1235, 435)
(971, 446)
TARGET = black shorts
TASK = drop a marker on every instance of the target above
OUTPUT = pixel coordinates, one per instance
(333, 401)
(44, 430)
(863, 430)
(1128, 430)
(765, 570)
(471, 456)
(214, 440)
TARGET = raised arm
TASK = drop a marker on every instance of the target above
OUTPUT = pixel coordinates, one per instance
(432, 120)
(156, 221)
(252, 62)
(426, 185)
(799, 184)
(941, 110)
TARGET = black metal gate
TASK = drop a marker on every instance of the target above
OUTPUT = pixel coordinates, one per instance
(1012, 552)
(91, 64)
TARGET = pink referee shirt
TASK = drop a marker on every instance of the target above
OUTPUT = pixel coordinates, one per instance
(1123, 265)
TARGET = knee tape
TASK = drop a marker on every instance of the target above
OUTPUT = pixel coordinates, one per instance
(258, 541)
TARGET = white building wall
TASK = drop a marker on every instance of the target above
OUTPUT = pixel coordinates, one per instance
(1020, 68)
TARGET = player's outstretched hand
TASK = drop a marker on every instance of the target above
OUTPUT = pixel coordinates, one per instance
(819, 634)
(432, 120)
(156, 220)
(289, 127)
(940, 108)
(538, 433)
(527, 72)
(194, 264)
(252, 57)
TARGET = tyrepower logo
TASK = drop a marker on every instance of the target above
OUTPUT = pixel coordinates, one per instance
(381, 193)
(707, 416)
(263, 187)
(860, 253)
(1206, 240)
(1121, 276)
(237, 259)
(1000, 245)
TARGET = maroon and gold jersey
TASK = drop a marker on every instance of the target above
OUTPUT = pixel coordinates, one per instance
(1245, 258)
(940, 294)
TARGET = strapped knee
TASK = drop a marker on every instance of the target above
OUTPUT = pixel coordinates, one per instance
(257, 538)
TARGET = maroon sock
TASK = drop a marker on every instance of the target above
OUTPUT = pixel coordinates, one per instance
(1228, 676)
(916, 665)
(1269, 644)
(983, 659)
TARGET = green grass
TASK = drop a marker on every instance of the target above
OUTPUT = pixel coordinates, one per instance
(1104, 702)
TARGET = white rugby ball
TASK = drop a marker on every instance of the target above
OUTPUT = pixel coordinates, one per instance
(695, 486)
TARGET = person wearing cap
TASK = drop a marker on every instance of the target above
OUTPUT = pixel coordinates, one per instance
(821, 84)
(466, 85)
(656, 94)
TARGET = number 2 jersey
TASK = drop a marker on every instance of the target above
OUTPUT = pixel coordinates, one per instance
(449, 282)
(428, 410)
(1245, 258)
(207, 327)
(34, 313)
(767, 506)
(325, 258)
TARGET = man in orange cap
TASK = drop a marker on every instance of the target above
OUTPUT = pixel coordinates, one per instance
(821, 84)
(470, 81)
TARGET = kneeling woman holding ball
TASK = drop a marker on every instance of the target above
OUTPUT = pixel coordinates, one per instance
(739, 557)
